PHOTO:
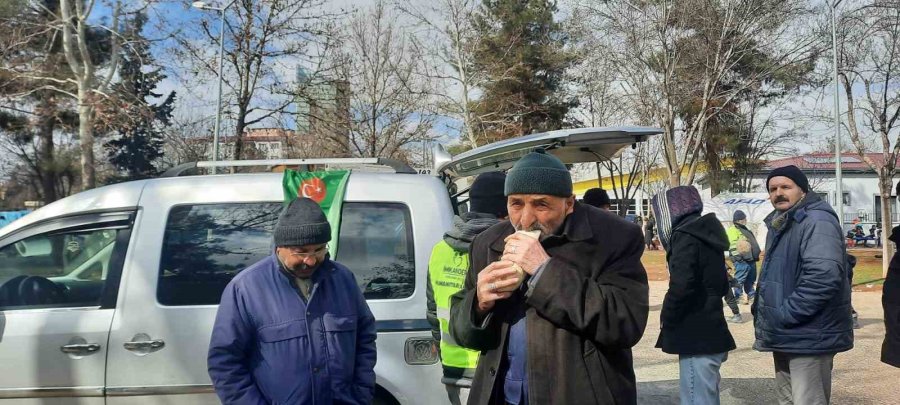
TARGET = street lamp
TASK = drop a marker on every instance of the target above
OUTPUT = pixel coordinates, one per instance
(202, 5)
(839, 204)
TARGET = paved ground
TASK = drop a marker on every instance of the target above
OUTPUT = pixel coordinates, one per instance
(747, 376)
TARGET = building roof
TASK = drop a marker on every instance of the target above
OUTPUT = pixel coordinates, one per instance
(255, 135)
(824, 162)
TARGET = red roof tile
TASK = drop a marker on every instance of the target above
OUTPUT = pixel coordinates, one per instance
(825, 161)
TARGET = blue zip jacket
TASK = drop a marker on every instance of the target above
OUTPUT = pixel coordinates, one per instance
(269, 346)
(802, 303)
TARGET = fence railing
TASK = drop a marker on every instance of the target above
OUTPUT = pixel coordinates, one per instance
(869, 217)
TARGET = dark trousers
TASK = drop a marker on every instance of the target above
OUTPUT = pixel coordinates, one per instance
(730, 299)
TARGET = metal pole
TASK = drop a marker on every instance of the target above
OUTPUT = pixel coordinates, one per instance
(839, 186)
(219, 98)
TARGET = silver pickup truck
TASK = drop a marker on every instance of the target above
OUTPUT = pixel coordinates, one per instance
(109, 296)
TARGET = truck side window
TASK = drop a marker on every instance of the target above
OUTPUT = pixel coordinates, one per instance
(60, 269)
(205, 246)
(376, 244)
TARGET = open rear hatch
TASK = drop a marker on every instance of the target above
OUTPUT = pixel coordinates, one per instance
(579, 145)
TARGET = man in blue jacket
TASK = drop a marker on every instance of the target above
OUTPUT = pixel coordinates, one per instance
(294, 328)
(802, 307)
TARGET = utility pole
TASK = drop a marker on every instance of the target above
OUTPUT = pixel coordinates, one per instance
(202, 5)
(839, 184)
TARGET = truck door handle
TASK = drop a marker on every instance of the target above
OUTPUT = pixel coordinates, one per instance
(80, 348)
(142, 344)
(151, 345)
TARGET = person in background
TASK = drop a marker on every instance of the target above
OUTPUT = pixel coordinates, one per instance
(878, 235)
(802, 309)
(294, 328)
(447, 275)
(731, 300)
(597, 197)
(890, 301)
(692, 323)
(744, 252)
(649, 226)
(554, 298)
(851, 264)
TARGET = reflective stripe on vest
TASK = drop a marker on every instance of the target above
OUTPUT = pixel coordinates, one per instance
(447, 270)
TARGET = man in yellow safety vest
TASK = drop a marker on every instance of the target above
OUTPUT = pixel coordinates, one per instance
(447, 271)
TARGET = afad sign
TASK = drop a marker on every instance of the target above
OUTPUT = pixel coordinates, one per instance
(750, 201)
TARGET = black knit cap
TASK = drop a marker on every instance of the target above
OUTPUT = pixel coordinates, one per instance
(738, 216)
(792, 172)
(486, 194)
(539, 173)
(596, 197)
(302, 223)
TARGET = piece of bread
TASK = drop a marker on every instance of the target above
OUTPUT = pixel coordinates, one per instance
(520, 273)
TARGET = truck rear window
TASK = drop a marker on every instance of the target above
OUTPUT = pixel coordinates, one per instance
(206, 245)
(376, 244)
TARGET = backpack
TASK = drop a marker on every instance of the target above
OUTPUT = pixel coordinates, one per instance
(744, 248)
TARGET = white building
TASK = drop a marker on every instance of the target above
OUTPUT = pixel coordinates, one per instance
(862, 197)
(862, 202)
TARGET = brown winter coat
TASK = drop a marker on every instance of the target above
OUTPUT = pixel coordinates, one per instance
(583, 315)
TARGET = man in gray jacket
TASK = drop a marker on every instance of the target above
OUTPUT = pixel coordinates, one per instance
(802, 308)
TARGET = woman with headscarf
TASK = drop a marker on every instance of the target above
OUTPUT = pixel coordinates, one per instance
(692, 322)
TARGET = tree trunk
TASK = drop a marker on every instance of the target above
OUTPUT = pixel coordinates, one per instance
(713, 170)
(887, 248)
(674, 179)
(240, 124)
(46, 161)
(86, 139)
(670, 154)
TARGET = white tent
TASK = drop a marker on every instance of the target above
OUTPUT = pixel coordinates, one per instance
(755, 205)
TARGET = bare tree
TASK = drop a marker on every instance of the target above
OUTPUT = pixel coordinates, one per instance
(870, 74)
(389, 105)
(674, 59)
(186, 139)
(594, 76)
(446, 35)
(32, 72)
(625, 173)
(265, 43)
(86, 53)
(73, 23)
(759, 141)
(652, 183)
(46, 177)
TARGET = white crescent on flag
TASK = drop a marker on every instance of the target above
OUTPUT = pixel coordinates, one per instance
(310, 190)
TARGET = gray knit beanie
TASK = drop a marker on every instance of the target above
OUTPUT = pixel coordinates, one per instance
(302, 223)
(539, 173)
